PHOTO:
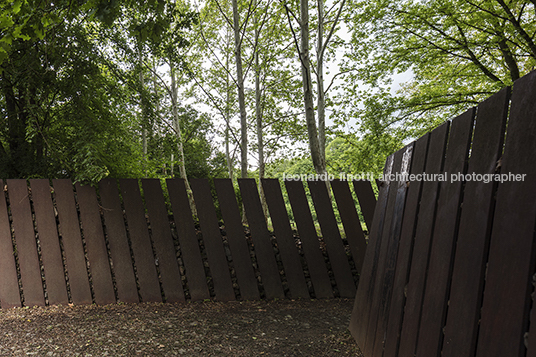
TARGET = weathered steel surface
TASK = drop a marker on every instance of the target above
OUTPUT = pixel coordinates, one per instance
(405, 249)
(370, 319)
(189, 245)
(142, 250)
(367, 201)
(49, 242)
(444, 238)
(391, 254)
(309, 239)
(69, 228)
(236, 237)
(466, 259)
(125, 280)
(363, 299)
(531, 348)
(217, 261)
(350, 221)
(372, 316)
(423, 240)
(332, 237)
(30, 271)
(9, 284)
(506, 303)
(474, 230)
(285, 239)
(99, 264)
(264, 251)
(164, 247)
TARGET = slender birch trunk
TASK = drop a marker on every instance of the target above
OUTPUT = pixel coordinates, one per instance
(260, 138)
(241, 98)
(143, 109)
(227, 137)
(228, 114)
(321, 103)
(178, 133)
(319, 161)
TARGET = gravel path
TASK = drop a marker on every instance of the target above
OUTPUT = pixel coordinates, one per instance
(251, 328)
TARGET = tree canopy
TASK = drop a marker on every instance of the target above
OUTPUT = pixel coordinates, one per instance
(458, 51)
(163, 88)
(71, 94)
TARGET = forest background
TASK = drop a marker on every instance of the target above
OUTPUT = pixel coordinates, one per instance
(242, 88)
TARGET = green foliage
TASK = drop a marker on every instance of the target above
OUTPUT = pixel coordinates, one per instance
(346, 154)
(29, 20)
(458, 51)
(25, 20)
(82, 82)
(266, 56)
(70, 96)
(58, 115)
(202, 159)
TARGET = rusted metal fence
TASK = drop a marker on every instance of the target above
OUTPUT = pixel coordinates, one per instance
(62, 243)
(449, 270)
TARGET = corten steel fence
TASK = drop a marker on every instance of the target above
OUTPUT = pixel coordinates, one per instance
(449, 269)
(62, 243)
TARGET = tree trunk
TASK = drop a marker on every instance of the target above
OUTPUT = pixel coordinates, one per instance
(319, 162)
(321, 104)
(20, 159)
(241, 98)
(178, 133)
(143, 109)
(260, 139)
(228, 114)
(227, 148)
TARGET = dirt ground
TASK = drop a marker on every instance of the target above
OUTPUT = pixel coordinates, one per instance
(250, 328)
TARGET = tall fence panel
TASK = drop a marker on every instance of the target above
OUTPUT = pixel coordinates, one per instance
(245, 274)
(223, 287)
(285, 240)
(125, 280)
(464, 257)
(474, 229)
(142, 249)
(99, 264)
(71, 239)
(48, 237)
(309, 239)
(26, 244)
(9, 284)
(140, 241)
